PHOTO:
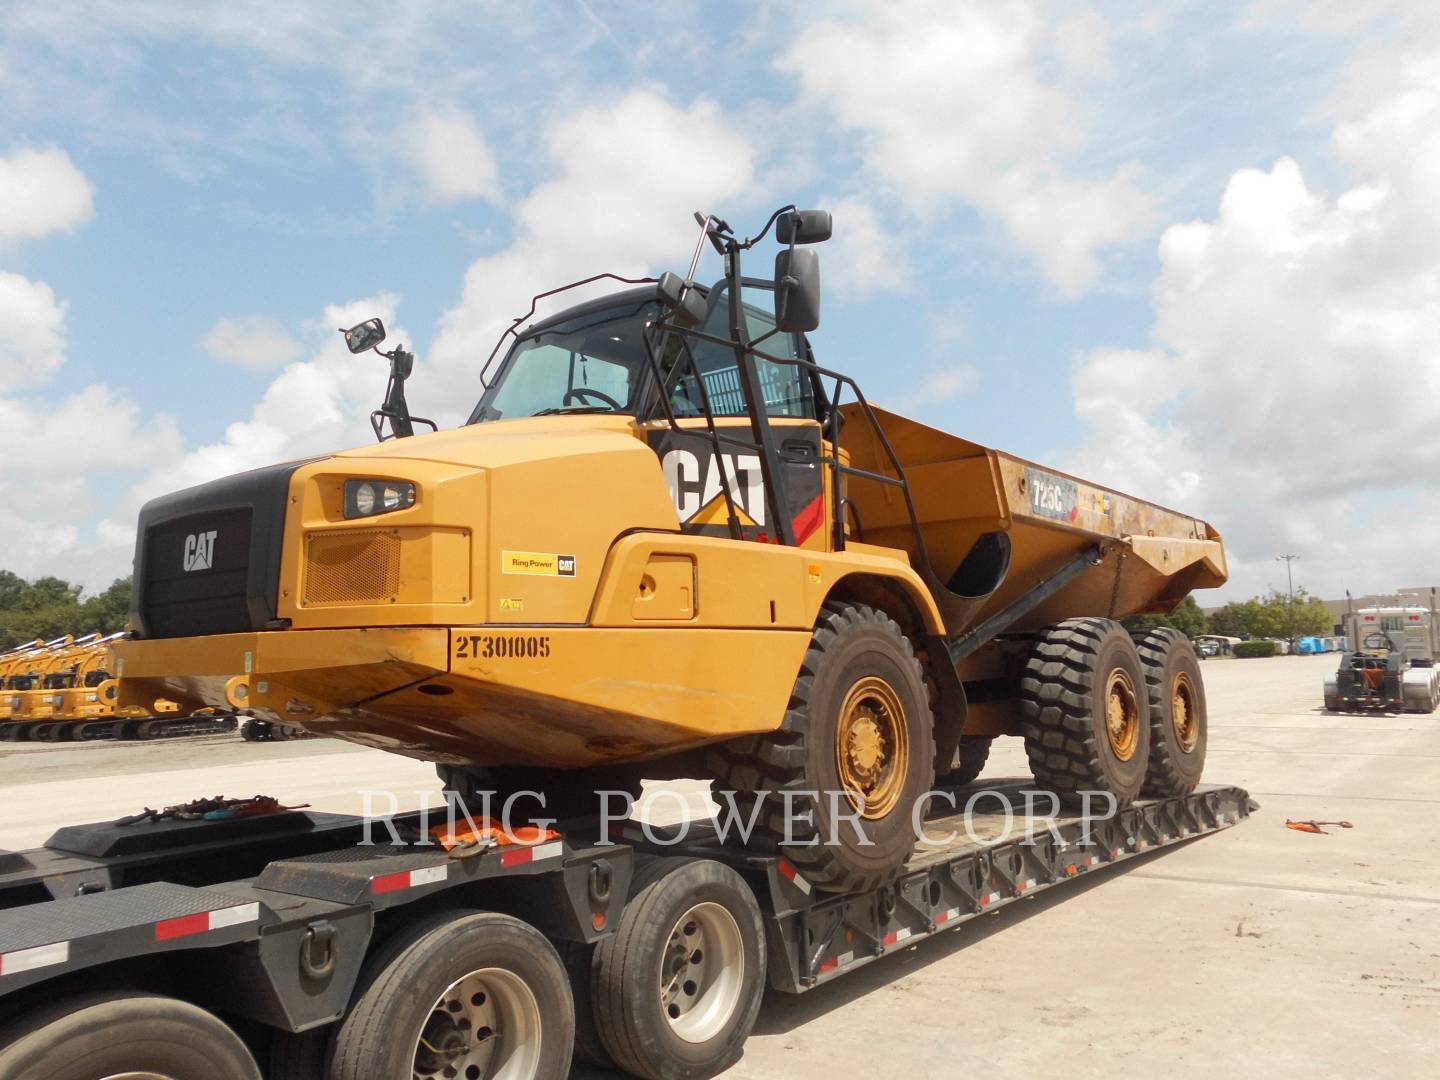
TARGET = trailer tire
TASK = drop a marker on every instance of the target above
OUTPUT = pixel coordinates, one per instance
(974, 753)
(1179, 726)
(299, 1056)
(120, 1034)
(860, 670)
(643, 1021)
(489, 971)
(579, 961)
(1084, 709)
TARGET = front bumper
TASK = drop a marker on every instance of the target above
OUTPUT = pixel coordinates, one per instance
(282, 676)
(559, 697)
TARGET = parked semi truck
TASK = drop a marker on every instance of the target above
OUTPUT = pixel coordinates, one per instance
(1392, 665)
(668, 543)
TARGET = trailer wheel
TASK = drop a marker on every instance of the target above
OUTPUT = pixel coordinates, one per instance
(579, 961)
(857, 740)
(117, 1034)
(1084, 709)
(1178, 721)
(677, 986)
(298, 1057)
(974, 753)
(477, 994)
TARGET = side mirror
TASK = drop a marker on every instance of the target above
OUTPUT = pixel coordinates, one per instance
(367, 335)
(803, 227)
(797, 290)
(688, 305)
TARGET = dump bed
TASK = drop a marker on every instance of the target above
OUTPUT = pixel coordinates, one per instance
(964, 492)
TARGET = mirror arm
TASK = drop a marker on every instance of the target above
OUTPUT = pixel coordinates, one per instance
(395, 408)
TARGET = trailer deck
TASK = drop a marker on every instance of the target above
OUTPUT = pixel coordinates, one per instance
(270, 918)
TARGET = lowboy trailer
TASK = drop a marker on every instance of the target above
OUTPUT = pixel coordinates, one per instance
(288, 947)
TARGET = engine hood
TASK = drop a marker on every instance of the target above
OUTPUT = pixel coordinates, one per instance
(508, 442)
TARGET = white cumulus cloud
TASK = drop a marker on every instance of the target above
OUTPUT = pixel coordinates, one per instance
(1293, 395)
(452, 156)
(588, 220)
(32, 341)
(316, 405)
(252, 341)
(952, 104)
(63, 457)
(864, 256)
(41, 191)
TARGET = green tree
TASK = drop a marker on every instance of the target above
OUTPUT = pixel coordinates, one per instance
(1236, 619)
(1270, 616)
(108, 611)
(1187, 618)
(1312, 616)
(47, 592)
(50, 607)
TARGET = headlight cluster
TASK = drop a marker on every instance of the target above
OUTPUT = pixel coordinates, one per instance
(365, 498)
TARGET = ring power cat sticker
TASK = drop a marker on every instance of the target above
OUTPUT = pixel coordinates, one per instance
(537, 564)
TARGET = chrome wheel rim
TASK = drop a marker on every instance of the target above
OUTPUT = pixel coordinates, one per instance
(485, 1025)
(702, 971)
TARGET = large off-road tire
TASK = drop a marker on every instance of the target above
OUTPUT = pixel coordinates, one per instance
(1178, 722)
(474, 993)
(677, 986)
(122, 1034)
(974, 753)
(1084, 710)
(858, 731)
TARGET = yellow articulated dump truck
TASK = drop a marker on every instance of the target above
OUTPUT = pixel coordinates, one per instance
(670, 543)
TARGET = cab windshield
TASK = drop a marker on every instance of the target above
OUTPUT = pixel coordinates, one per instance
(592, 362)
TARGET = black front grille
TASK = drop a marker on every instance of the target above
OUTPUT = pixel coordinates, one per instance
(197, 571)
(207, 560)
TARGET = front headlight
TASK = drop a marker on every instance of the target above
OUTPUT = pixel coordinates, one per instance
(364, 498)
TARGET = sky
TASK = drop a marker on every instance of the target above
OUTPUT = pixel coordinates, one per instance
(1188, 250)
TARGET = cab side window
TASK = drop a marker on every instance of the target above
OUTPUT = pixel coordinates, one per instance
(786, 388)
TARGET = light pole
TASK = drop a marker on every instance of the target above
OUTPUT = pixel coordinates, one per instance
(1289, 595)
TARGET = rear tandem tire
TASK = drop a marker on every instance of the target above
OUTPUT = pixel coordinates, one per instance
(677, 987)
(461, 983)
(1178, 722)
(860, 698)
(123, 1034)
(974, 753)
(1085, 711)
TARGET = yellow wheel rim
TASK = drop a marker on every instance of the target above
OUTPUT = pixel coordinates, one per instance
(872, 747)
(1122, 714)
(1185, 712)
